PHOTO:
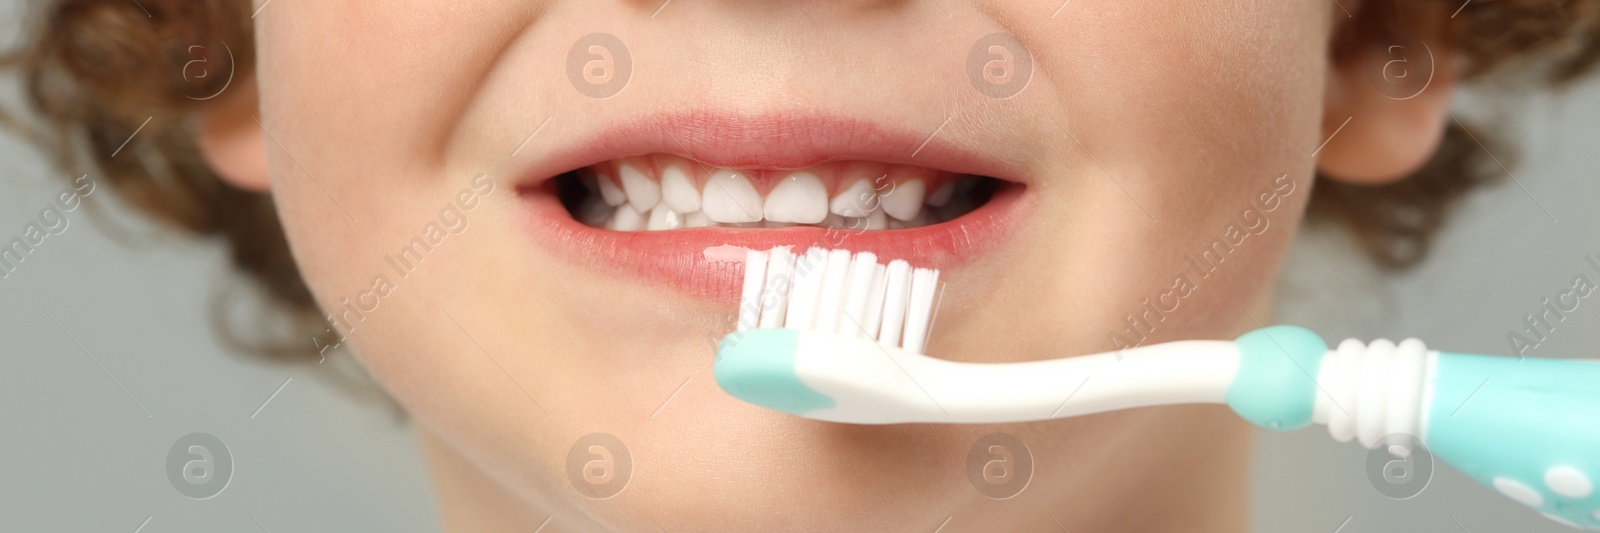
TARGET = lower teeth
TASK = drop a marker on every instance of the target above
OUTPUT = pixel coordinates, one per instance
(583, 200)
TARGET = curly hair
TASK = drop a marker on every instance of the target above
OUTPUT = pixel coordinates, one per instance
(98, 70)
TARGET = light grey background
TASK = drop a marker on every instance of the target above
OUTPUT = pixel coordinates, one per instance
(1507, 249)
(107, 358)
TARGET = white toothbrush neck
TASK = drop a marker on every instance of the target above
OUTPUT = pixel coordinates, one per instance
(1367, 390)
(1162, 374)
(1372, 390)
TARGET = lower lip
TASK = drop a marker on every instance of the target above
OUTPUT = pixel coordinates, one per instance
(708, 263)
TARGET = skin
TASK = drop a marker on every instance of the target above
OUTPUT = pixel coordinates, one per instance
(1144, 132)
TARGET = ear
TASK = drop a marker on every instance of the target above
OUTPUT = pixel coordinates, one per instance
(230, 138)
(1394, 88)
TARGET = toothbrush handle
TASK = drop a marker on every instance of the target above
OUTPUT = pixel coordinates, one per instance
(1529, 428)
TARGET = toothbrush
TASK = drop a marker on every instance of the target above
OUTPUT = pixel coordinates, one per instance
(836, 336)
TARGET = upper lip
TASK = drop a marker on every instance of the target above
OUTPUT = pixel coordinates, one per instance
(776, 140)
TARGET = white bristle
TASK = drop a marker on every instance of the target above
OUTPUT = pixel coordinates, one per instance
(924, 283)
(809, 271)
(835, 291)
(898, 281)
(780, 281)
(855, 299)
(834, 284)
(874, 318)
(755, 275)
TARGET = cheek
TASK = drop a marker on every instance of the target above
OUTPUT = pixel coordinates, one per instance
(1180, 116)
(354, 127)
(1193, 103)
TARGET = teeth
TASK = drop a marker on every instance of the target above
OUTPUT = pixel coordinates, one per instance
(855, 200)
(609, 192)
(905, 201)
(624, 196)
(643, 192)
(873, 221)
(941, 195)
(877, 220)
(627, 219)
(800, 198)
(678, 190)
(663, 217)
(730, 198)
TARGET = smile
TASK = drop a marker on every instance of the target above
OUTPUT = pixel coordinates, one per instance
(678, 199)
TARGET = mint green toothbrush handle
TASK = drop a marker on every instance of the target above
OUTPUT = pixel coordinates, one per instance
(1530, 428)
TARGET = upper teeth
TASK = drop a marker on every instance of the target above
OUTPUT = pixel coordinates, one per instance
(905, 201)
(729, 197)
(799, 198)
(678, 189)
(856, 200)
(643, 193)
(610, 192)
(662, 193)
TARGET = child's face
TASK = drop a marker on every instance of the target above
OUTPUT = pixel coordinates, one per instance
(1145, 136)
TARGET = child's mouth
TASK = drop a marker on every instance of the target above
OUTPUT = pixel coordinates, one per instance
(667, 192)
(684, 214)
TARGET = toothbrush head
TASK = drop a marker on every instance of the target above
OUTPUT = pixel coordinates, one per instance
(828, 334)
